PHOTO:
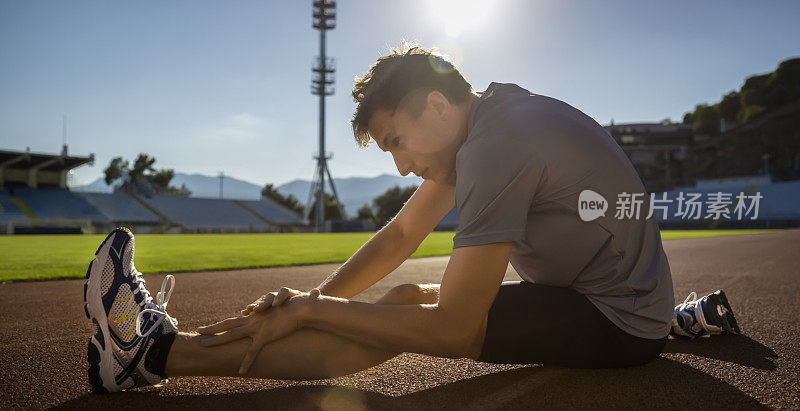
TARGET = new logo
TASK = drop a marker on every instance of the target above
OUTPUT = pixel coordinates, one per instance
(591, 205)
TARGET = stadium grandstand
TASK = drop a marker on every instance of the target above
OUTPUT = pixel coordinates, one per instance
(34, 198)
(269, 210)
(449, 222)
(119, 209)
(206, 214)
(778, 205)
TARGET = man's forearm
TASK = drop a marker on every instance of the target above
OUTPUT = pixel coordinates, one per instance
(379, 256)
(419, 328)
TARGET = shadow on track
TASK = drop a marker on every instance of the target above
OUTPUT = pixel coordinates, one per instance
(739, 349)
(663, 383)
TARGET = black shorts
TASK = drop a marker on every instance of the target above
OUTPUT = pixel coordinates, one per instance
(539, 324)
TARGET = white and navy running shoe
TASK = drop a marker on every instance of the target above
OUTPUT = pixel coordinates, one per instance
(710, 315)
(133, 333)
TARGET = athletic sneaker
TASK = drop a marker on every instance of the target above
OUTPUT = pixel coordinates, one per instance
(134, 334)
(710, 315)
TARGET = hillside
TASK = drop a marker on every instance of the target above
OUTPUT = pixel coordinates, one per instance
(753, 130)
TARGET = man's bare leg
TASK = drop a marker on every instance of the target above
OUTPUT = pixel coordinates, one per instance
(303, 355)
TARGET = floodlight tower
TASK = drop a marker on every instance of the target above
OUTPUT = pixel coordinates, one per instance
(322, 85)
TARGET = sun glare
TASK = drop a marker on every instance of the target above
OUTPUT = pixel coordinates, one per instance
(457, 16)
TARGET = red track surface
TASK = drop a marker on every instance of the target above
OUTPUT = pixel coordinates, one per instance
(44, 336)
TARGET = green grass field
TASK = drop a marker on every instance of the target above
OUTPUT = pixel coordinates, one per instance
(45, 257)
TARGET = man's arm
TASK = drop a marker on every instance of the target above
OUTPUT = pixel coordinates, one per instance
(445, 329)
(394, 243)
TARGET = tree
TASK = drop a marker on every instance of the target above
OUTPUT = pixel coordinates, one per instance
(764, 92)
(749, 113)
(116, 169)
(142, 178)
(332, 210)
(753, 90)
(758, 95)
(365, 213)
(730, 106)
(706, 119)
(388, 204)
(289, 201)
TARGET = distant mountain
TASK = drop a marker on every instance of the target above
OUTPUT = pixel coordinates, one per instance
(354, 191)
(200, 185)
(208, 186)
(96, 186)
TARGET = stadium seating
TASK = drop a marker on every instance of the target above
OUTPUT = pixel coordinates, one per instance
(271, 211)
(9, 212)
(206, 213)
(120, 208)
(59, 205)
(779, 205)
(781, 201)
(449, 222)
(672, 204)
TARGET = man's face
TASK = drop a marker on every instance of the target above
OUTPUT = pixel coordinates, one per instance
(426, 145)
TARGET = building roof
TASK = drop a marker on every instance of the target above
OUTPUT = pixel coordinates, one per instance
(48, 162)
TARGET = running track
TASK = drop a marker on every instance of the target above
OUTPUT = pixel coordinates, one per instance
(44, 335)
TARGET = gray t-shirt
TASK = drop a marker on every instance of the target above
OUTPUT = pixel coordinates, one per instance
(519, 175)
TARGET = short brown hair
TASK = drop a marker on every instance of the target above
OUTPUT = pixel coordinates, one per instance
(405, 70)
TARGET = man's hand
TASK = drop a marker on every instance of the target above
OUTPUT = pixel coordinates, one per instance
(272, 299)
(262, 327)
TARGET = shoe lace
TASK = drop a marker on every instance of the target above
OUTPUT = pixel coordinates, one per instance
(692, 301)
(157, 309)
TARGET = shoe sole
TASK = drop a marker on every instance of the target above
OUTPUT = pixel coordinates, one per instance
(100, 356)
(726, 321)
(723, 299)
(95, 364)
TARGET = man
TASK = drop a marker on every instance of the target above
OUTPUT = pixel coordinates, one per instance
(595, 293)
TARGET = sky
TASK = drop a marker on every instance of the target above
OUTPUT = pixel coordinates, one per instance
(224, 86)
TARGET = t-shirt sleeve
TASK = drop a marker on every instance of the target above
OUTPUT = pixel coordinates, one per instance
(496, 182)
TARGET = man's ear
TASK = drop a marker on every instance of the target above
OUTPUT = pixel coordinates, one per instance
(439, 103)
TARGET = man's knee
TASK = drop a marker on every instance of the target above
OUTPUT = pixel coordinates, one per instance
(410, 294)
